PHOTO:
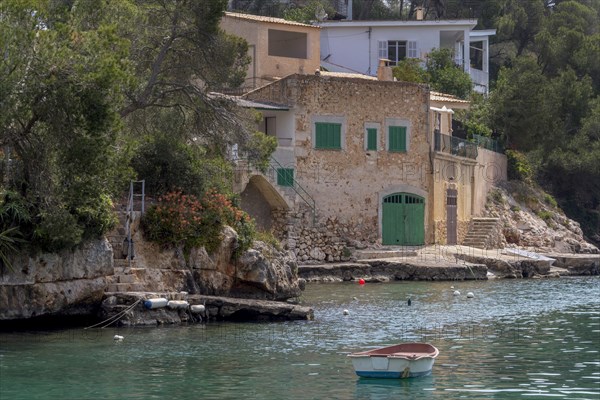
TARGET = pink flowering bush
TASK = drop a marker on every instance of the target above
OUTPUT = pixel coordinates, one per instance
(182, 220)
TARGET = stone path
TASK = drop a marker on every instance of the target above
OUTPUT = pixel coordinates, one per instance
(441, 262)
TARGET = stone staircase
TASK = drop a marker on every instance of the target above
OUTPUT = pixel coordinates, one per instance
(292, 195)
(480, 232)
(127, 276)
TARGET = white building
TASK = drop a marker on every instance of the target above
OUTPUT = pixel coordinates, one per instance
(357, 46)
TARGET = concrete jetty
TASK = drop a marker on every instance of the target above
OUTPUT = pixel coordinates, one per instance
(384, 270)
(450, 263)
(128, 309)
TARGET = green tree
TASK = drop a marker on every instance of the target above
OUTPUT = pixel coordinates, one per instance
(445, 76)
(307, 13)
(521, 111)
(410, 70)
(61, 89)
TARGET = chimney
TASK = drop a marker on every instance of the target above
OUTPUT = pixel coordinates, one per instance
(349, 10)
(384, 71)
(419, 13)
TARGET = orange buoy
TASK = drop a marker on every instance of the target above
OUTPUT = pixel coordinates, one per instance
(361, 281)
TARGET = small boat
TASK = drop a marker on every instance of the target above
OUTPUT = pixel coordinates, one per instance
(406, 360)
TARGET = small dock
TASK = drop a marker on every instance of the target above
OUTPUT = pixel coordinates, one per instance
(451, 263)
(394, 269)
(128, 309)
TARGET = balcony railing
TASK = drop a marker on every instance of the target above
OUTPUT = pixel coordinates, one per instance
(455, 146)
(488, 143)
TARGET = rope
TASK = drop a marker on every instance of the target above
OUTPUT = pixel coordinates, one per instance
(115, 317)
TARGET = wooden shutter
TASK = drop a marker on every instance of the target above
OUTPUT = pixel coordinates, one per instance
(328, 135)
(372, 139)
(383, 49)
(411, 51)
(397, 138)
(285, 177)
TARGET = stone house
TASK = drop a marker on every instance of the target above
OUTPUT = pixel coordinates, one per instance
(277, 47)
(357, 164)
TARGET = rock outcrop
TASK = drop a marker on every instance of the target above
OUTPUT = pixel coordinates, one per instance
(532, 220)
(262, 272)
(68, 283)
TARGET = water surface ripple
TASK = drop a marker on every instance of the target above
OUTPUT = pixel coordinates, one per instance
(516, 339)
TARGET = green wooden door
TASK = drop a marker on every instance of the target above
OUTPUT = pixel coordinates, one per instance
(403, 220)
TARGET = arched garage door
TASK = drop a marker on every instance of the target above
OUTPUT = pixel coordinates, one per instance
(403, 219)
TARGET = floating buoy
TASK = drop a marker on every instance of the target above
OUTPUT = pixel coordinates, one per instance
(118, 338)
(470, 295)
(456, 293)
(155, 303)
(361, 281)
(177, 304)
(197, 308)
(346, 312)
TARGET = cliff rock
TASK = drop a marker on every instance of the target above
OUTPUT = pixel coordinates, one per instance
(71, 282)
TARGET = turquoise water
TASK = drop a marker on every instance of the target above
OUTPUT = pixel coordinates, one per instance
(516, 339)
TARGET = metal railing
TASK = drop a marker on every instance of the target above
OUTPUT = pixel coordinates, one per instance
(129, 211)
(271, 174)
(455, 146)
(488, 143)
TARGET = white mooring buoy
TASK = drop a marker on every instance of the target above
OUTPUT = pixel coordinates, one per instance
(346, 312)
(470, 295)
(118, 338)
(456, 293)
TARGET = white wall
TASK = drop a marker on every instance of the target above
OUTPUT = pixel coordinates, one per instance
(357, 50)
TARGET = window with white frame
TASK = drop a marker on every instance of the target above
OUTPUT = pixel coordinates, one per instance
(397, 50)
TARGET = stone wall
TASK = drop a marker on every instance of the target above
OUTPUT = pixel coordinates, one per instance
(348, 184)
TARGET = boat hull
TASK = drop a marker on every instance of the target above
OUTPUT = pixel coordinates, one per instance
(406, 360)
(396, 368)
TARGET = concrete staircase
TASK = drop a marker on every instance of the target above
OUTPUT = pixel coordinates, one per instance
(480, 230)
(127, 275)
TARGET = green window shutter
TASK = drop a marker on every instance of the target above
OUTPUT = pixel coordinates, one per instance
(285, 177)
(328, 135)
(372, 139)
(397, 139)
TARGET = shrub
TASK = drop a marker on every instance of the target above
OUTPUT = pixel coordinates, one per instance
(410, 70)
(167, 163)
(180, 220)
(545, 215)
(57, 230)
(496, 196)
(548, 199)
(519, 167)
(268, 238)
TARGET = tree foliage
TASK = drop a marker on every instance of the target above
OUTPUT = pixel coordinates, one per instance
(86, 84)
(440, 72)
(546, 104)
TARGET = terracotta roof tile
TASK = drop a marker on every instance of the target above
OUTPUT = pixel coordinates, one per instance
(260, 18)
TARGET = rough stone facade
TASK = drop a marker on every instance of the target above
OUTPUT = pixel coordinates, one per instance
(348, 184)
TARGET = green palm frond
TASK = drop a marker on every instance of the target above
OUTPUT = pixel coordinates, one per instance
(9, 241)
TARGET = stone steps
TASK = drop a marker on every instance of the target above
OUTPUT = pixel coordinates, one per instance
(126, 277)
(124, 287)
(479, 232)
